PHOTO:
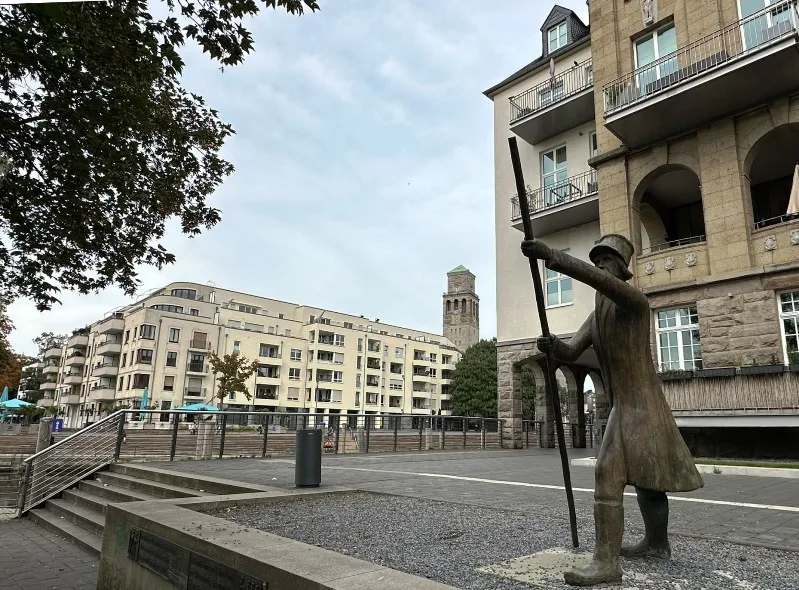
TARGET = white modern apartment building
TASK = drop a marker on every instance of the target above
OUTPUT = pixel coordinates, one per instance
(309, 359)
(549, 106)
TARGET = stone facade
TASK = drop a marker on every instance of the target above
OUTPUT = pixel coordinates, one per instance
(511, 357)
(461, 309)
(735, 273)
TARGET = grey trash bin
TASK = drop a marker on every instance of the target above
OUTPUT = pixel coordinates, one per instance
(308, 463)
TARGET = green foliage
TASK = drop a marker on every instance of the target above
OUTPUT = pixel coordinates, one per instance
(50, 340)
(474, 383)
(105, 144)
(232, 372)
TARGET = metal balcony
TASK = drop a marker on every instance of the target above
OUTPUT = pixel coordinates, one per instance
(199, 344)
(568, 203)
(745, 64)
(554, 106)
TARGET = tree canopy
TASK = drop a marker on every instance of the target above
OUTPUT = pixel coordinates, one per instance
(100, 144)
(232, 372)
(474, 383)
(47, 340)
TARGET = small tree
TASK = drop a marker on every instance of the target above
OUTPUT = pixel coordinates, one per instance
(474, 383)
(232, 372)
(47, 340)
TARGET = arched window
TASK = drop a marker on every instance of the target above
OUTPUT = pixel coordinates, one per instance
(456, 305)
(449, 305)
(463, 302)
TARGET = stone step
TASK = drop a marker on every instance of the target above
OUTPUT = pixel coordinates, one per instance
(67, 529)
(86, 500)
(86, 518)
(197, 483)
(111, 492)
(153, 488)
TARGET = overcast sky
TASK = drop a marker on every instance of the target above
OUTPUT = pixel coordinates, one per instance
(363, 159)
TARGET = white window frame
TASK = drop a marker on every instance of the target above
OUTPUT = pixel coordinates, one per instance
(297, 356)
(680, 329)
(770, 20)
(558, 277)
(558, 34)
(338, 377)
(784, 315)
(294, 374)
(338, 339)
(548, 195)
(654, 35)
(177, 337)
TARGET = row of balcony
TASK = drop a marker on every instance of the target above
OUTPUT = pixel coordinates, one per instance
(730, 70)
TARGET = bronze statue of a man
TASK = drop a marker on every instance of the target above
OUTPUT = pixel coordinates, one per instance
(642, 445)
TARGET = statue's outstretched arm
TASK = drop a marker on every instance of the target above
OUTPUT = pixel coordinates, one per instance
(620, 292)
(579, 343)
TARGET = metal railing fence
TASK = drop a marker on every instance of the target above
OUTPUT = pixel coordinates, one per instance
(733, 42)
(564, 191)
(552, 91)
(169, 435)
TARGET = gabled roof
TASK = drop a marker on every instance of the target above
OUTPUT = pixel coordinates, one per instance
(557, 15)
(579, 33)
(459, 270)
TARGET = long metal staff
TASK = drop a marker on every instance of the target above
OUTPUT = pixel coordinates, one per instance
(549, 364)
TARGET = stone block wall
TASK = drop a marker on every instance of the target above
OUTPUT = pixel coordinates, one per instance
(740, 330)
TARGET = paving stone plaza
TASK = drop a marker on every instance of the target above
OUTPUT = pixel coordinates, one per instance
(451, 514)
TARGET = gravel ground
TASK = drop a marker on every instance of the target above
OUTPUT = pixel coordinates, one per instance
(447, 542)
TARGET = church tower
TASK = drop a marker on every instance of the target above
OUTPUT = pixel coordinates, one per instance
(461, 309)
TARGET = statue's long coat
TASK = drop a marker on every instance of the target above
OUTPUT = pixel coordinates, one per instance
(655, 454)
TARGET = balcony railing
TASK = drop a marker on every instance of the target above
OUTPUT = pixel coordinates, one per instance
(195, 391)
(571, 189)
(552, 91)
(199, 344)
(734, 42)
(673, 244)
(197, 368)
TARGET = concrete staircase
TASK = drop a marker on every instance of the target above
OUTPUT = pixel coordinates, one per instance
(79, 514)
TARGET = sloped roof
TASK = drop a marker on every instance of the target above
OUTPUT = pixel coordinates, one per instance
(458, 270)
(580, 35)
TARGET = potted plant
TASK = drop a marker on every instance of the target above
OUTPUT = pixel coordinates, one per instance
(771, 369)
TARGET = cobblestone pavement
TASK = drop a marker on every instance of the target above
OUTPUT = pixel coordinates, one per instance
(32, 558)
(742, 509)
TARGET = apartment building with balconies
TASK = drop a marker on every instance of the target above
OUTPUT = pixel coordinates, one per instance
(309, 359)
(548, 105)
(697, 122)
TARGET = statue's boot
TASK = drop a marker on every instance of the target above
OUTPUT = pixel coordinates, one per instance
(655, 512)
(609, 524)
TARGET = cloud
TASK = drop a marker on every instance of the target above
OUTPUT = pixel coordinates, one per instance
(325, 77)
(364, 161)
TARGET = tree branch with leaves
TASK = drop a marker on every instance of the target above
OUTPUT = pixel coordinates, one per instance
(232, 372)
(101, 144)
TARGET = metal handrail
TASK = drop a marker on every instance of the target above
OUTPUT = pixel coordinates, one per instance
(733, 42)
(62, 465)
(552, 91)
(546, 197)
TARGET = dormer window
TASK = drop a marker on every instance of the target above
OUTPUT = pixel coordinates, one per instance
(557, 37)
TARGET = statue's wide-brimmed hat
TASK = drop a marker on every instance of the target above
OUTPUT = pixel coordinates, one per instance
(613, 244)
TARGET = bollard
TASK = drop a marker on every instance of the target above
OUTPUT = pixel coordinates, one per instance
(43, 440)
